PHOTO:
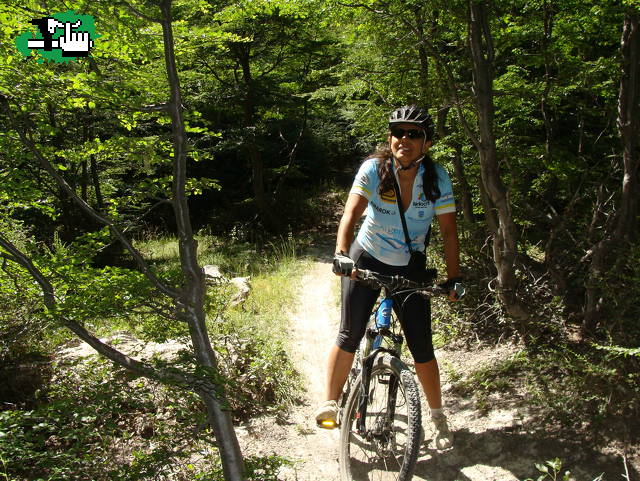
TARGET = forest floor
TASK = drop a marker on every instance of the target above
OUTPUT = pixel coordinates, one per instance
(498, 443)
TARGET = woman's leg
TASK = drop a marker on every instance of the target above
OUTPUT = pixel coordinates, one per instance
(357, 303)
(338, 367)
(429, 377)
(415, 315)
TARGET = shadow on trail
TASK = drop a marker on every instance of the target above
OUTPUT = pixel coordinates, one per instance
(516, 453)
(322, 248)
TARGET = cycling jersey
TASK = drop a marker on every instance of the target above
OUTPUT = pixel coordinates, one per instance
(381, 234)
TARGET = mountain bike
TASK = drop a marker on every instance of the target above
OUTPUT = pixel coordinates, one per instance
(379, 415)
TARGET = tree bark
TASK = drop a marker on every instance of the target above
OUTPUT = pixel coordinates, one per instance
(458, 167)
(546, 41)
(188, 300)
(194, 289)
(242, 52)
(505, 236)
(624, 229)
(629, 125)
(95, 180)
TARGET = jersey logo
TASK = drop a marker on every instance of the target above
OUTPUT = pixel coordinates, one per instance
(389, 197)
(422, 201)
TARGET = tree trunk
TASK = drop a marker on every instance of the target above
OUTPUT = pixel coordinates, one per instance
(624, 229)
(84, 176)
(255, 156)
(188, 300)
(505, 232)
(95, 180)
(465, 191)
(546, 41)
(458, 167)
(194, 289)
(441, 121)
(629, 125)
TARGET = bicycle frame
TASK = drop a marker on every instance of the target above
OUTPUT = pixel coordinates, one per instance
(369, 356)
(379, 415)
(391, 285)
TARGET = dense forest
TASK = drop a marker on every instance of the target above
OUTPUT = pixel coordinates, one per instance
(244, 121)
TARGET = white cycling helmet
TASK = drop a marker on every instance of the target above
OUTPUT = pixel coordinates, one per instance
(412, 114)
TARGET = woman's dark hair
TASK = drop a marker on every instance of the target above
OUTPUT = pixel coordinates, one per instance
(384, 158)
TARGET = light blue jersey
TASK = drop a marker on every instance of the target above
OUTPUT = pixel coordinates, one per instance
(381, 234)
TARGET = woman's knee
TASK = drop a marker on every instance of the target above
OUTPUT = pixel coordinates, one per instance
(423, 356)
(347, 343)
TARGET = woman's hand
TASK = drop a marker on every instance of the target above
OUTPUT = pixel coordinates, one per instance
(343, 265)
(455, 288)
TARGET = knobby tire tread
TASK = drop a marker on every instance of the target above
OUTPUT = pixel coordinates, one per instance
(389, 363)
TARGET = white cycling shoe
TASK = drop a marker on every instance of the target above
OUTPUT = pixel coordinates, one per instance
(444, 436)
(327, 414)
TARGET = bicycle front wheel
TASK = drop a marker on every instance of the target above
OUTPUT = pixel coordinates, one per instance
(385, 447)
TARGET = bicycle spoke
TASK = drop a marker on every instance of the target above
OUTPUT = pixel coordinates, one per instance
(378, 453)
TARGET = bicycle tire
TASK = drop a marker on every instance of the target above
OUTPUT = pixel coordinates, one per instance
(384, 452)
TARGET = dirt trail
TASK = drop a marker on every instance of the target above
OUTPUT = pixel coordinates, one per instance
(489, 446)
(313, 326)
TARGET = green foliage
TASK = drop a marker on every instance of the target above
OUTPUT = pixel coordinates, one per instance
(257, 469)
(21, 323)
(307, 84)
(567, 383)
(92, 407)
(101, 424)
(252, 338)
(96, 422)
(257, 372)
(551, 470)
(236, 256)
(259, 376)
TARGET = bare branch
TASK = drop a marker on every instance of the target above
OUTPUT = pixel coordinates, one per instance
(215, 74)
(444, 69)
(137, 12)
(363, 6)
(173, 376)
(154, 108)
(27, 140)
(294, 149)
(626, 468)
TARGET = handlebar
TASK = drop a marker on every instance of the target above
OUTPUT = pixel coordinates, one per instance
(399, 285)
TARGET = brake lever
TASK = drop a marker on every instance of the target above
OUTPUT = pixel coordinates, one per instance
(459, 290)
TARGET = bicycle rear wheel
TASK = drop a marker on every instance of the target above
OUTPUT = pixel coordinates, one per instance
(387, 448)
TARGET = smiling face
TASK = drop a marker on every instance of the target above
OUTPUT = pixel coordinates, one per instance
(408, 143)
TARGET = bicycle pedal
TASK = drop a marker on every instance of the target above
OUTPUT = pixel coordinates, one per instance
(327, 424)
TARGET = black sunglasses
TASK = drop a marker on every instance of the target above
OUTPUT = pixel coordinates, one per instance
(411, 133)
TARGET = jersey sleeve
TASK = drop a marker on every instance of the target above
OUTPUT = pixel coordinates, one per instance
(365, 182)
(446, 202)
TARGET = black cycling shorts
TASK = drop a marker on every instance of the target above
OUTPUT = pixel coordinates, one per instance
(414, 311)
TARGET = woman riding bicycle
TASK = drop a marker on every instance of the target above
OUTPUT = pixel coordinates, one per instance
(381, 246)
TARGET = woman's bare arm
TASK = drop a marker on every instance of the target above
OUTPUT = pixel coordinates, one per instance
(353, 210)
(449, 232)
